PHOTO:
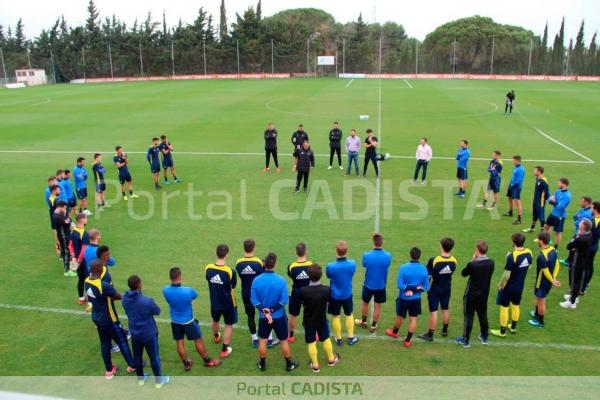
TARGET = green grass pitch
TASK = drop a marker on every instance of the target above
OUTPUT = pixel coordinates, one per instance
(58, 123)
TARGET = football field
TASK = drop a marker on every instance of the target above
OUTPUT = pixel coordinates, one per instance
(216, 128)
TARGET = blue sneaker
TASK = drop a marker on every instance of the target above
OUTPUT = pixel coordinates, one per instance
(483, 339)
(255, 343)
(462, 195)
(461, 341)
(536, 323)
(339, 342)
(352, 340)
(167, 182)
(457, 193)
(272, 342)
(162, 381)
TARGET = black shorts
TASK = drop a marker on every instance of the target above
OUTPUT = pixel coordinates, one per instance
(336, 306)
(167, 162)
(155, 168)
(379, 295)
(437, 300)
(509, 296)
(124, 178)
(279, 325)
(462, 174)
(82, 194)
(229, 315)
(514, 192)
(100, 187)
(72, 202)
(494, 184)
(191, 331)
(410, 307)
(310, 333)
(555, 222)
(539, 212)
(295, 302)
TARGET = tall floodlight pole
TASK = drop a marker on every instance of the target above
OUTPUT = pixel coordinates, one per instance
(492, 60)
(567, 62)
(172, 60)
(204, 54)
(83, 59)
(343, 55)
(417, 59)
(272, 57)
(307, 56)
(112, 74)
(454, 57)
(29, 58)
(336, 63)
(237, 45)
(530, 53)
(3, 66)
(141, 60)
(52, 66)
(380, 52)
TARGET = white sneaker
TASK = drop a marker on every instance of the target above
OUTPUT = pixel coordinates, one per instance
(87, 212)
(342, 168)
(329, 167)
(568, 298)
(481, 206)
(422, 182)
(568, 304)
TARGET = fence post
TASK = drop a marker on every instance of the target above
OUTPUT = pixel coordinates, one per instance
(112, 75)
(343, 55)
(530, 52)
(417, 59)
(141, 60)
(307, 56)
(172, 59)
(493, 48)
(204, 54)
(237, 45)
(336, 63)
(52, 66)
(3, 66)
(83, 59)
(454, 57)
(272, 57)
(567, 62)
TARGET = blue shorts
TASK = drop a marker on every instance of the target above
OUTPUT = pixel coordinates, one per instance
(410, 307)
(539, 213)
(167, 162)
(191, 331)
(541, 292)
(124, 178)
(555, 222)
(462, 174)
(514, 192)
(100, 187)
(82, 194)
(509, 296)
(279, 325)
(229, 315)
(72, 203)
(379, 295)
(336, 306)
(295, 302)
(310, 333)
(494, 184)
(437, 300)
(155, 168)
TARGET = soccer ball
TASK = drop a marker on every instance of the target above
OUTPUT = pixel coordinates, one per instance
(386, 156)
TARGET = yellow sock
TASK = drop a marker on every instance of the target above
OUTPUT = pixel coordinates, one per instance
(515, 312)
(328, 347)
(350, 325)
(503, 316)
(337, 327)
(313, 353)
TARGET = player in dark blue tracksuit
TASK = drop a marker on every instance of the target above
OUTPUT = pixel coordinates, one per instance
(166, 151)
(140, 311)
(153, 157)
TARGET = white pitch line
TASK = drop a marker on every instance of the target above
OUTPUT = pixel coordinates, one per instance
(378, 181)
(408, 83)
(564, 146)
(349, 83)
(503, 343)
(217, 153)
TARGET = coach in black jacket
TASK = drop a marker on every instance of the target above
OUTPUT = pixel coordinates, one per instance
(304, 160)
(335, 144)
(479, 271)
(580, 255)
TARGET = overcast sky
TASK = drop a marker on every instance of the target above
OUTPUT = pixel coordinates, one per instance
(418, 16)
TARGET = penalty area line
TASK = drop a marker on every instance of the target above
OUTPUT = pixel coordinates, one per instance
(500, 343)
(349, 83)
(408, 83)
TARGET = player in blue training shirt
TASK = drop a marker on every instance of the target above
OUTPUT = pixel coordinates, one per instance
(80, 174)
(462, 165)
(153, 157)
(248, 268)
(183, 323)
(104, 315)
(341, 272)
(67, 193)
(440, 271)
(560, 200)
(377, 264)
(495, 181)
(269, 295)
(512, 284)
(99, 182)
(547, 272)
(412, 280)
(166, 151)
(541, 194)
(222, 281)
(514, 190)
(121, 162)
(298, 273)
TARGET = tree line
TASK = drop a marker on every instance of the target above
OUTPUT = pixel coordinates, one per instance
(288, 41)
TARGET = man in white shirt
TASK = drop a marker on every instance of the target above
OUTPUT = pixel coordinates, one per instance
(352, 149)
(423, 154)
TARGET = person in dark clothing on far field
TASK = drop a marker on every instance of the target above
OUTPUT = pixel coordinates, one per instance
(479, 271)
(335, 145)
(510, 99)
(271, 147)
(304, 160)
